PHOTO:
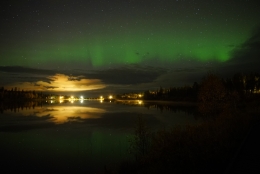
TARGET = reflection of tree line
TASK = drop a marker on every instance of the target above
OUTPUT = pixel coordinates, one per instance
(189, 109)
(243, 84)
(15, 94)
(19, 105)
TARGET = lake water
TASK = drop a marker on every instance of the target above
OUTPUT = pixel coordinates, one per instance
(80, 136)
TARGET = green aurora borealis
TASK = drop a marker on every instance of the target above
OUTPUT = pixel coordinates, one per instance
(110, 33)
(135, 48)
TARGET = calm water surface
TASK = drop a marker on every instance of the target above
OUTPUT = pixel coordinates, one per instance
(83, 136)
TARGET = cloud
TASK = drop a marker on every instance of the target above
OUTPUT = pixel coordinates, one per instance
(60, 83)
(119, 79)
(246, 57)
(18, 74)
(128, 74)
(21, 69)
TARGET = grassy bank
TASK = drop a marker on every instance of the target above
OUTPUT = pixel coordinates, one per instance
(204, 148)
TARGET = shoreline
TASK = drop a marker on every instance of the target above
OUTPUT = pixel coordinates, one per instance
(164, 102)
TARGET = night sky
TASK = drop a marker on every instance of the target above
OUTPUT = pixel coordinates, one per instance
(96, 47)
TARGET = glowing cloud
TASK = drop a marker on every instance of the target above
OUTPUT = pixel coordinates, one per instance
(61, 82)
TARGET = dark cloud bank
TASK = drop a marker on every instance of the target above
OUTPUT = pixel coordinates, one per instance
(245, 57)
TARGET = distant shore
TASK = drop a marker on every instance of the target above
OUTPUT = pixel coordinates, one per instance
(163, 102)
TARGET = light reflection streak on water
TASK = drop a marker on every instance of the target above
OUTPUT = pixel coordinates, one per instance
(62, 114)
(140, 102)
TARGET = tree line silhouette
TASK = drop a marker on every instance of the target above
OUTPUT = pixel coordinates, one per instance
(14, 94)
(243, 84)
(14, 99)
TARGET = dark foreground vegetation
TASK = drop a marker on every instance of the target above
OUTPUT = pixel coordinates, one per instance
(208, 147)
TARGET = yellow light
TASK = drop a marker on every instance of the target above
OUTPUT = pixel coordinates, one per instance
(140, 95)
(110, 97)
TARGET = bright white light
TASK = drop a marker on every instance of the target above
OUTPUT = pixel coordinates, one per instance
(140, 102)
